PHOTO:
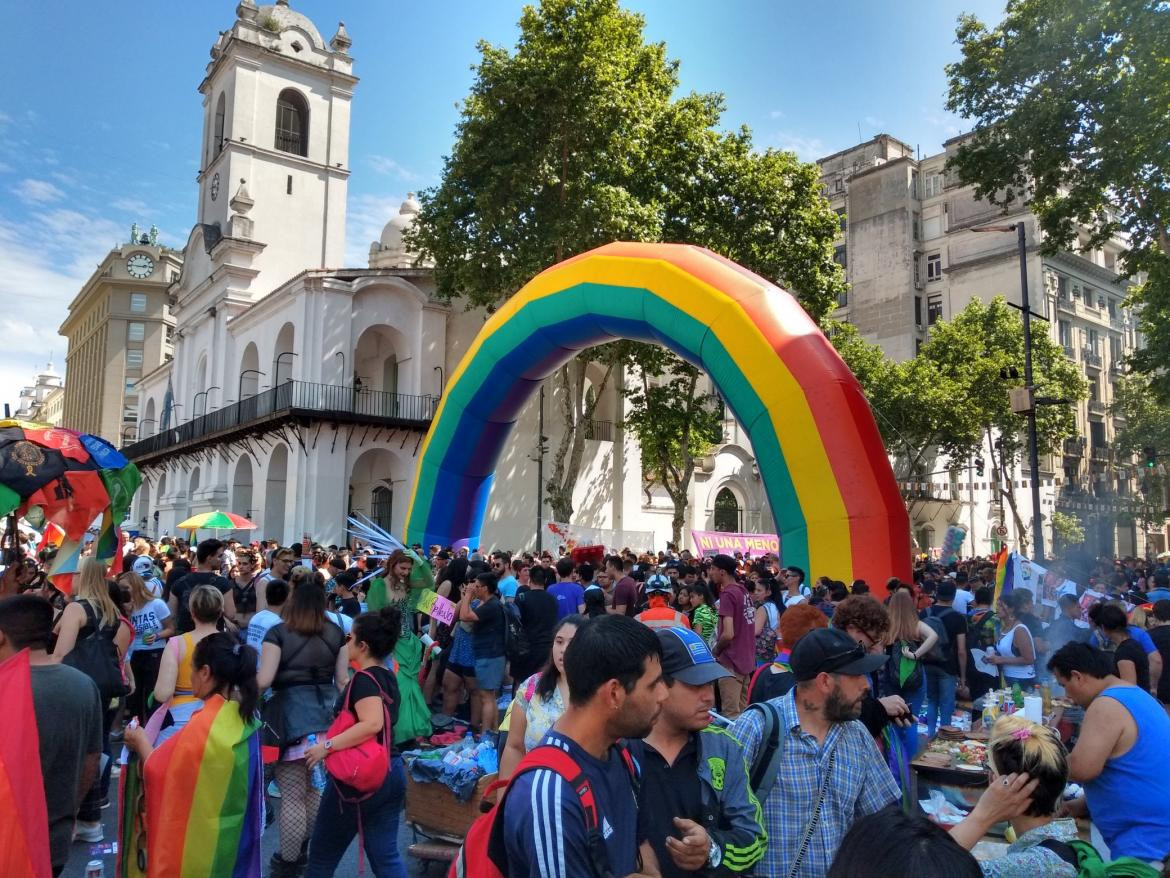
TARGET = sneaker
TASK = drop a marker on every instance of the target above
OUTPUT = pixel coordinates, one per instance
(90, 832)
(105, 803)
(273, 790)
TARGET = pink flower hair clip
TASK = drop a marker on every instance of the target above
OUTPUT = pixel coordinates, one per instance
(1022, 734)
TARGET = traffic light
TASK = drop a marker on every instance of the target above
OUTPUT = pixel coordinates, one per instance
(1151, 455)
(979, 466)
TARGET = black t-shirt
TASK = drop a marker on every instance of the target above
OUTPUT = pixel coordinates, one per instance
(361, 686)
(1131, 650)
(352, 607)
(181, 591)
(538, 615)
(769, 685)
(666, 792)
(487, 635)
(305, 658)
(955, 624)
(1161, 637)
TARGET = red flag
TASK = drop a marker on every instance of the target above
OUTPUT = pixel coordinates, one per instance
(24, 818)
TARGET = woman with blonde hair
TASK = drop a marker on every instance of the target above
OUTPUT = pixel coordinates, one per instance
(153, 624)
(907, 640)
(93, 636)
(174, 690)
(1029, 771)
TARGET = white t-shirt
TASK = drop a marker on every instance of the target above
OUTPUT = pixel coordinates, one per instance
(963, 600)
(258, 626)
(150, 619)
(793, 600)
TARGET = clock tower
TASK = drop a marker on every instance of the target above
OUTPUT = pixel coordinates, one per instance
(276, 101)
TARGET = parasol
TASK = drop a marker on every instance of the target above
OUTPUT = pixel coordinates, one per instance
(70, 479)
(216, 520)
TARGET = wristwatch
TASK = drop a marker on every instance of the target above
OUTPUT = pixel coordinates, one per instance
(714, 855)
(328, 744)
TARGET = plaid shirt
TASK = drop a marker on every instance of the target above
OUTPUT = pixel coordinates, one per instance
(861, 784)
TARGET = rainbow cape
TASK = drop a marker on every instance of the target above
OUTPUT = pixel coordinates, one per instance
(204, 798)
(24, 818)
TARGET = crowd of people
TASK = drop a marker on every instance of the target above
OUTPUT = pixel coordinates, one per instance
(729, 715)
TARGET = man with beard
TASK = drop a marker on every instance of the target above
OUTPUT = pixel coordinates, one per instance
(822, 748)
(616, 690)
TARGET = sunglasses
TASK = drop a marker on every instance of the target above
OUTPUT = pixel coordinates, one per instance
(843, 658)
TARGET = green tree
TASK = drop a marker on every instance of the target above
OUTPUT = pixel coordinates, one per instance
(1071, 103)
(574, 139)
(1145, 423)
(676, 422)
(974, 350)
(1067, 530)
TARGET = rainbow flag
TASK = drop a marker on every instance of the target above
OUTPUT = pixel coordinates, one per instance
(1003, 575)
(204, 798)
(24, 818)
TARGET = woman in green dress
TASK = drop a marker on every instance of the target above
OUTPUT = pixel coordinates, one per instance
(402, 580)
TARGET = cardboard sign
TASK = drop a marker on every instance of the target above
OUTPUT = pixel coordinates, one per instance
(436, 606)
(714, 542)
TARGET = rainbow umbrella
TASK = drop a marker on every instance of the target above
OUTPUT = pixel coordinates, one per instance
(216, 520)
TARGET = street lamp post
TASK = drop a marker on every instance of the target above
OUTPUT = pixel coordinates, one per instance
(276, 366)
(240, 387)
(195, 401)
(1021, 231)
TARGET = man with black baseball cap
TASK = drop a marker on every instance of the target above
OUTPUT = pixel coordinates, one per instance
(819, 745)
(695, 801)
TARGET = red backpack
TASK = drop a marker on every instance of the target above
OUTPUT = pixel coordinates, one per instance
(483, 854)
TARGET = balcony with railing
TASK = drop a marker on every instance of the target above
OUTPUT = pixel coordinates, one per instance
(1096, 407)
(1090, 358)
(1099, 451)
(600, 431)
(285, 402)
(1074, 447)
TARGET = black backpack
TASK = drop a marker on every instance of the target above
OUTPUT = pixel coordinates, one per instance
(517, 647)
(767, 762)
(96, 656)
(941, 651)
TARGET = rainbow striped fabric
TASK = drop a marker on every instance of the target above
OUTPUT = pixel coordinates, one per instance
(24, 820)
(1003, 575)
(204, 798)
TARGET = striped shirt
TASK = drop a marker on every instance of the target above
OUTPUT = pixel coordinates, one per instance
(860, 784)
(544, 824)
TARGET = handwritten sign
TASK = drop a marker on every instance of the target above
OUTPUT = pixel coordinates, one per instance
(714, 542)
(436, 606)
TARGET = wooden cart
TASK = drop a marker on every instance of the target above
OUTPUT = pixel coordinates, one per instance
(438, 820)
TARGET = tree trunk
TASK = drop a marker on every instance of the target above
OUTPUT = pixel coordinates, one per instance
(1009, 493)
(575, 413)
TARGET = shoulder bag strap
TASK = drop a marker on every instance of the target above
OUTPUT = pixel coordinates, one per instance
(1063, 850)
(815, 818)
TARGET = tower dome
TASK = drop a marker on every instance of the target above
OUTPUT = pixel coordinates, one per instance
(389, 251)
(282, 17)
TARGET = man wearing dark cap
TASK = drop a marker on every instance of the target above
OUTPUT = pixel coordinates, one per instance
(830, 771)
(736, 645)
(695, 800)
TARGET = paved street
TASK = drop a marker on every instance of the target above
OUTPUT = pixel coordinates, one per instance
(80, 854)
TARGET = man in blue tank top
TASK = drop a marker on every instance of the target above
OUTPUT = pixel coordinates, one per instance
(1120, 754)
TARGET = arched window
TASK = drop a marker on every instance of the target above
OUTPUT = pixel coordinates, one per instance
(217, 135)
(382, 507)
(726, 511)
(292, 123)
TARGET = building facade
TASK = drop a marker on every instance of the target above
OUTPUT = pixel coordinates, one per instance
(43, 401)
(300, 391)
(913, 255)
(118, 329)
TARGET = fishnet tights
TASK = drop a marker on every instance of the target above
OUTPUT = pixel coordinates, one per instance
(298, 807)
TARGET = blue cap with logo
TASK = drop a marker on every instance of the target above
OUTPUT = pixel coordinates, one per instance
(686, 657)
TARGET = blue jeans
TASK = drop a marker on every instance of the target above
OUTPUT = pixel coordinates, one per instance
(337, 824)
(940, 698)
(909, 735)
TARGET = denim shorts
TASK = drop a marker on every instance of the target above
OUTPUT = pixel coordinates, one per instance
(489, 673)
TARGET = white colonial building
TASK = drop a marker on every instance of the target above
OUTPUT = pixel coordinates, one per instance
(300, 390)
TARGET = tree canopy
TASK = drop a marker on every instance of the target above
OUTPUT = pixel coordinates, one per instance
(1071, 104)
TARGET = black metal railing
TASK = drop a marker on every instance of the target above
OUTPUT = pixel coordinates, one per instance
(602, 431)
(296, 397)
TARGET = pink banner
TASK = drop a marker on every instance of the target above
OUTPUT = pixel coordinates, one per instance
(714, 542)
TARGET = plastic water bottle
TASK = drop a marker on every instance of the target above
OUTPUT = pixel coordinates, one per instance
(317, 772)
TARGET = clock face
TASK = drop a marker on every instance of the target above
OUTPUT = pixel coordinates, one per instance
(215, 186)
(140, 265)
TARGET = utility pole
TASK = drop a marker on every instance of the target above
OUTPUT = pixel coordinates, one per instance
(540, 439)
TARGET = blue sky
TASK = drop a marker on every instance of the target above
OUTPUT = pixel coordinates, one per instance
(100, 119)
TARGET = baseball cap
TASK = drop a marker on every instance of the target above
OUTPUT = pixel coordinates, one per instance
(657, 584)
(831, 651)
(143, 566)
(725, 563)
(686, 657)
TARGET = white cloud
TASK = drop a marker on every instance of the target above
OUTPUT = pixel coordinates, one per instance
(807, 149)
(37, 191)
(365, 216)
(383, 164)
(947, 124)
(131, 205)
(777, 114)
(45, 258)
(874, 122)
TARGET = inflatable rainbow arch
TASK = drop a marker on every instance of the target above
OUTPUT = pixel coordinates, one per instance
(828, 480)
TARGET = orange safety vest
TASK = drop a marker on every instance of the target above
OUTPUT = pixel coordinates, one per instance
(663, 617)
